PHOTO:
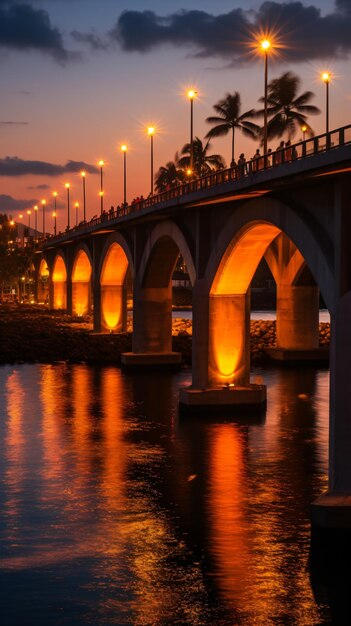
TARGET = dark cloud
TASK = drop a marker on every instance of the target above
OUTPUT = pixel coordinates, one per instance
(8, 204)
(14, 166)
(92, 39)
(10, 123)
(23, 27)
(39, 187)
(306, 32)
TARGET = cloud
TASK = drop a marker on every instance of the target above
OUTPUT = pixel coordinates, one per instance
(306, 32)
(10, 123)
(9, 204)
(92, 39)
(23, 27)
(14, 166)
(38, 187)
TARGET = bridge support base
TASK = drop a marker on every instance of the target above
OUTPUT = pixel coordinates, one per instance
(251, 398)
(332, 511)
(151, 360)
(287, 355)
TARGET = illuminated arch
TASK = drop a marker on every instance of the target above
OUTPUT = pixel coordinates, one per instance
(116, 262)
(59, 281)
(43, 282)
(81, 284)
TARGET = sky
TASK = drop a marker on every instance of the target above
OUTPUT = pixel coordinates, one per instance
(81, 77)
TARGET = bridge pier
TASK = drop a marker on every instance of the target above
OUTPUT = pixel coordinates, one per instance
(221, 363)
(152, 329)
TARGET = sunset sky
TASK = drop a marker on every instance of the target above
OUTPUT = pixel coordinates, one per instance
(81, 77)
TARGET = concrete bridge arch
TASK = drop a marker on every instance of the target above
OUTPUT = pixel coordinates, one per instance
(80, 278)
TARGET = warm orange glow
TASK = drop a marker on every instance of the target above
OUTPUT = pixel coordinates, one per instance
(227, 340)
(67, 185)
(36, 207)
(101, 163)
(124, 148)
(112, 292)
(12, 223)
(20, 216)
(43, 202)
(192, 93)
(83, 174)
(77, 205)
(189, 172)
(81, 287)
(54, 214)
(101, 193)
(151, 130)
(82, 268)
(55, 194)
(326, 76)
(59, 278)
(265, 45)
(29, 212)
(304, 129)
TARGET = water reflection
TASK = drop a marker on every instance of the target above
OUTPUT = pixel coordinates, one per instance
(117, 513)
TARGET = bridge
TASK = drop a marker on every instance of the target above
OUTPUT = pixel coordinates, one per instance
(292, 207)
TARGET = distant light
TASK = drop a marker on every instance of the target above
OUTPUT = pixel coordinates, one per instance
(151, 130)
(20, 216)
(83, 174)
(189, 171)
(55, 194)
(43, 201)
(54, 214)
(326, 76)
(101, 193)
(191, 94)
(12, 223)
(29, 212)
(67, 185)
(124, 148)
(77, 204)
(36, 207)
(304, 129)
(101, 163)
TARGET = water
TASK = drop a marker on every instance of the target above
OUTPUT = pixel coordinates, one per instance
(255, 315)
(114, 511)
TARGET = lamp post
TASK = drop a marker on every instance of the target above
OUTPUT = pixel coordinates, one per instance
(21, 217)
(54, 216)
(29, 214)
(265, 47)
(68, 210)
(326, 76)
(36, 221)
(101, 163)
(124, 150)
(77, 208)
(151, 132)
(55, 207)
(83, 175)
(304, 131)
(191, 95)
(43, 203)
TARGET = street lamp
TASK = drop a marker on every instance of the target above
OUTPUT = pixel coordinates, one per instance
(101, 163)
(265, 46)
(68, 221)
(191, 95)
(124, 150)
(151, 132)
(83, 175)
(304, 131)
(326, 76)
(29, 214)
(77, 207)
(55, 194)
(36, 221)
(21, 217)
(54, 216)
(43, 203)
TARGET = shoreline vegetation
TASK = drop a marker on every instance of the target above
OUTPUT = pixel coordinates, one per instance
(34, 334)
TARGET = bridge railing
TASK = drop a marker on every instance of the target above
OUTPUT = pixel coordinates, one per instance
(289, 153)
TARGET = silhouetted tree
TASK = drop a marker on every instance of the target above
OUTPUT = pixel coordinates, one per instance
(229, 118)
(169, 175)
(287, 111)
(203, 161)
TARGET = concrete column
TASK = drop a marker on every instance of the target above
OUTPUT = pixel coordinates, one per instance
(97, 304)
(229, 340)
(152, 319)
(297, 317)
(200, 335)
(69, 294)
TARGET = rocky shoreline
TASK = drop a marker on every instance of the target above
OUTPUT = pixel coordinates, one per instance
(33, 334)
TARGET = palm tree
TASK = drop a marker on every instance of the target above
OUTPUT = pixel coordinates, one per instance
(169, 175)
(287, 111)
(203, 162)
(229, 118)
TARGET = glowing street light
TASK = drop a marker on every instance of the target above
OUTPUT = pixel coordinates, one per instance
(265, 47)
(54, 216)
(43, 204)
(77, 209)
(124, 150)
(326, 76)
(36, 220)
(304, 131)
(29, 212)
(68, 211)
(101, 163)
(83, 175)
(151, 133)
(192, 95)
